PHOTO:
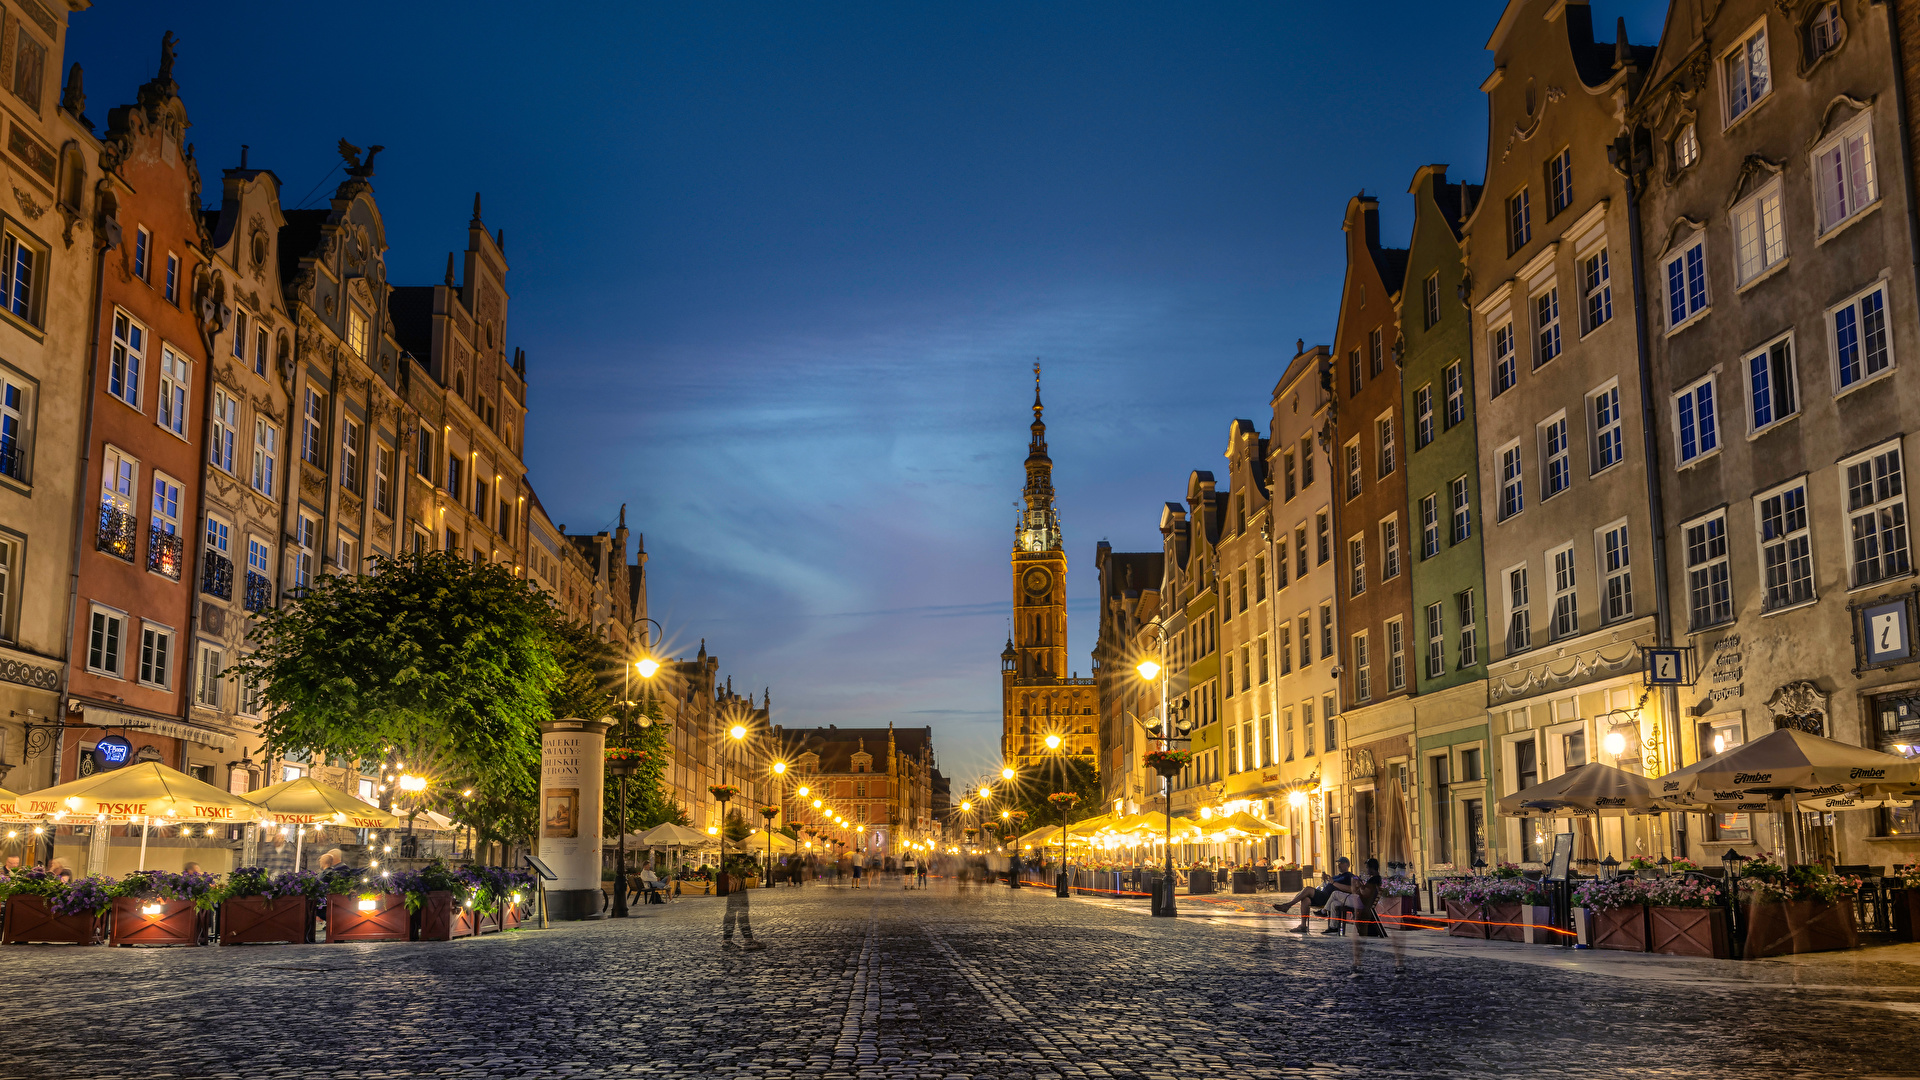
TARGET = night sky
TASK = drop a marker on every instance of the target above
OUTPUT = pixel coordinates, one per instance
(781, 271)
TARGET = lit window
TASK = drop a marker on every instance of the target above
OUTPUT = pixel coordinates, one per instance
(1843, 173)
(1566, 603)
(1746, 71)
(1759, 235)
(1616, 572)
(1686, 147)
(357, 331)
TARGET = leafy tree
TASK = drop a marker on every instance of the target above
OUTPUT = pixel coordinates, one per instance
(432, 656)
(1074, 773)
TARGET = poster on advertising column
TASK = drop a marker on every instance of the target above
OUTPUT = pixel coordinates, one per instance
(572, 754)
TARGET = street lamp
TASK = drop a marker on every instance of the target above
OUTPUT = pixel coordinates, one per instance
(1168, 765)
(624, 767)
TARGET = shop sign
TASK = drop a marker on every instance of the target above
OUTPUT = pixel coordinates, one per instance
(112, 752)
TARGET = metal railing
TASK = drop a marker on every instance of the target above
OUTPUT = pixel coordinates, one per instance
(165, 552)
(216, 575)
(117, 529)
(259, 592)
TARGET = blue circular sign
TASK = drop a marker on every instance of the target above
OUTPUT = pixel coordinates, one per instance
(112, 752)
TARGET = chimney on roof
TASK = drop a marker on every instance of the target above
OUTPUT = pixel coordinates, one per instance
(243, 147)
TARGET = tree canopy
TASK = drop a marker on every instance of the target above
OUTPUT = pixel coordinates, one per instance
(1072, 773)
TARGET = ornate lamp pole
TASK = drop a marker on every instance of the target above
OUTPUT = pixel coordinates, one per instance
(1064, 801)
(768, 813)
(626, 764)
(1166, 761)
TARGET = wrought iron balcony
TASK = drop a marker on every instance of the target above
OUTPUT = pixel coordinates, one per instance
(13, 459)
(117, 529)
(165, 552)
(259, 594)
(216, 575)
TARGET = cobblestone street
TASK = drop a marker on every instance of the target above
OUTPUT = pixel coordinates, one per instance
(951, 982)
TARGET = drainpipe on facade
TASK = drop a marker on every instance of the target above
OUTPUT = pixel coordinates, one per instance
(190, 566)
(1904, 116)
(81, 501)
(1631, 165)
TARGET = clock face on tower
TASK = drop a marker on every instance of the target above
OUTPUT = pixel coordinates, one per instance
(1036, 581)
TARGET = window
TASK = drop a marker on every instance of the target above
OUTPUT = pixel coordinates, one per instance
(259, 557)
(16, 408)
(1430, 289)
(1556, 461)
(383, 479)
(142, 247)
(1860, 343)
(1596, 291)
(1686, 284)
(1686, 147)
(226, 419)
(1436, 640)
(1519, 221)
(156, 655)
(176, 379)
(1469, 628)
(247, 703)
(346, 552)
(1353, 469)
(1286, 461)
(1376, 352)
(356, 330)
(1616, 572)
(240, 321)
(1226, 599)
(1456, 388)
(1306, 462)
(1246, 668)
(125, 359)
(1285, 648)
(1519, 617)
(118, 475)
(454, 485)
(1773, 391)
(1559, 182)
(1264, 672)
(1280, 563)
(1693, 416)
(1546, 324)
(1390, 548)
(1362, 668)
(1462, 509)
(1786, 551)
(206, 688)
(1566, 602)
(170, 285)
(1609, 444)
(313, 434)
(350, 454)
(1396, 655)
(20, 260)
(219, 536)
(1746, 71)
(1824, 31)
(1423, 416)
(1709, 590)
(1333, 732)
(1306, 641)
(1357, 564)
(423, 453)
(1306, 727)
(1300, 550)
(266, 456)
(1429, 526)
(1573, 749)
(1324, 525)
(1513, 497)
(106, 640)
(1241, 576)
(9, 560)
(1759, 235)
(1353, 372)
(1526, 773)
(1441, 828)
(1326, 631)
(1876, 516)
(1505, 371)
(1260, 573)
(303, 542)
(260, 351)
(1383, 428)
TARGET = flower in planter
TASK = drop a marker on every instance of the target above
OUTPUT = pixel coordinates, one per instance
(83, 896)
(1909, 875)
(1609, 894)
(1766, 879)
(1507, 870)
(1165, 761)
(1064, 800)
(1399, 887)
(722, 792)
(161, 885)
(1684, 892)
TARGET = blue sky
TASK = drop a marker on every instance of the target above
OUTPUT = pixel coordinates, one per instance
(781, 270)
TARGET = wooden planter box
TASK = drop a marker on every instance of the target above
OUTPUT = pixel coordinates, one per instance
(29, 922)
(1466, 920)
(1906, 913)
(177, 923)
(1624, 929)
(1291, 881)
(255, 920)
(1780, 927)
(388, 921)
(511, 916)
(1199, 882)
(1505, 922)
(1678, 931)
(441, 919)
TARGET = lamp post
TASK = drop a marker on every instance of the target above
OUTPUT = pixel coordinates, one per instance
(646, 666)
(1167, 763)
(1066, 801)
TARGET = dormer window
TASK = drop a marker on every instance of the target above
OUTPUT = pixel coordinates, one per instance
(1824, 31)
(1748, 73)
(1686, 147)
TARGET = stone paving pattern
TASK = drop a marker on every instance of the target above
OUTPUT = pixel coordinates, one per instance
(952, 982)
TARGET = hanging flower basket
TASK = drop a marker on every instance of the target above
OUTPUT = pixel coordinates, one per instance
(625, 760)
(1169, 763)
(722, 792)
(1064, 801)
(769, 812)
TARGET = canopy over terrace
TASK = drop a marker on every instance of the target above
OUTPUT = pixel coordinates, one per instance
(1585, 789)
(307, 801)
(145, 792)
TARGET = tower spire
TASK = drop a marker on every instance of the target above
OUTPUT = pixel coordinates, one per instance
(1039, 528)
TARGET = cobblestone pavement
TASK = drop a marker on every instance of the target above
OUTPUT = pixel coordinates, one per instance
(955, 981)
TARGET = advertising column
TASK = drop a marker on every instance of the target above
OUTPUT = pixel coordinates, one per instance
(572, 781)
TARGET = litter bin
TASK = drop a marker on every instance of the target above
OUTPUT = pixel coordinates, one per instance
(1199, 882)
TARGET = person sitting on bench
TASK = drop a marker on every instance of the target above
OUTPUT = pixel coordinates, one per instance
(651, 887)
(1338, 887)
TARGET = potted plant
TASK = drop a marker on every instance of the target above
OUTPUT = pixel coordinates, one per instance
(43, 909)
(1466, 900)
(1399, 901)
(1168, 763)
(1796, 909)
(1906, 901)
(361, 907)
(1514, 904)
(154, 907)
(1686, 916)
(1616, 913)
(259, 908)
(625, 760)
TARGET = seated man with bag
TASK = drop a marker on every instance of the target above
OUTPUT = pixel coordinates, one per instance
(1338, 891)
